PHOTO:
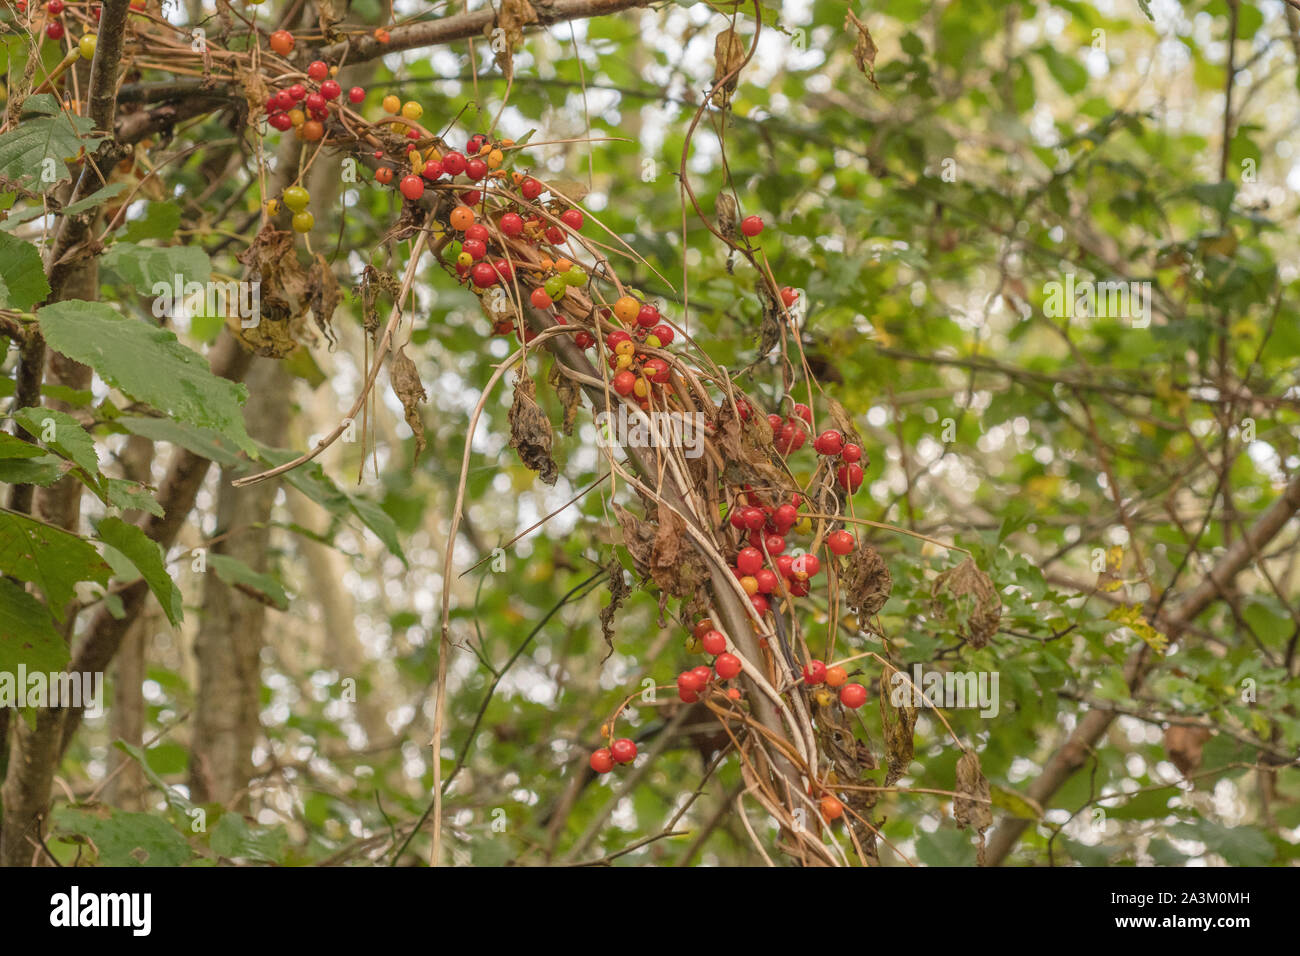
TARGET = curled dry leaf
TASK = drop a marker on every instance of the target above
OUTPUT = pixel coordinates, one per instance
(724, 209)
(530, 432)
(408, 387)
(867, 582)
(569, 394)
(507, 32)
(1183, 745)
(974, 807)
(323, 296)
(567, 189)
(728, 54)
(373, 282)
(770, 331)
(618, 592)
(898, 722)
(844, 423)
(864, 48)
(272, 262)
(978, 606)
(675, 565)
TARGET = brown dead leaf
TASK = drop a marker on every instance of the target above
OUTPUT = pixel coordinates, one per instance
(844, 423)
(974, 808)
(568, 190)
(405, 379)
(530, 432)
(323, 296)
(898, 722)
(569, 394)
(618, 592)
(272, 261)
(867, 582)
(507, 32)
(724, 208)
(864, 48)
(1183, 745)
(728, 55)
(970, 592)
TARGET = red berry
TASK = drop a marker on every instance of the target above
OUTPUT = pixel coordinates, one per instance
(511, 224)
(814, 673)
(851, 453)
(806, 564)
(476, 248)
(617, 338)
(803, 411)
(356, 94)
(727, 666)
(384, 175)
(330, 90)
(470, 197)
(840, 542)
(831, 807)
(315, 101)
(584, 340)
(454, 163)
(318, 70)
(280, 121)
(647, 317)
(703, 674)
(483, 275)
(503, 269)
(530, 188)
(853, 696)
(54, 30)
(751, 226)
(602, 761)
(714, 643)
(689, 682)
(657, 369)
(477, 231)
(749, 560)
(774, 543)
(849, 477)
(799, 588)
(664, 333)
(766, 581)
(572, 218)
(432, 169)
(554, 235)
(785, 565)
(789, 296)
(281, 40)
(297, 91)
(776, 421)
(784, 517)
(829, 442)
(624, 382)
(540, 299)
(623, 750)
(476, 169)
(754, 518)
(760, 604)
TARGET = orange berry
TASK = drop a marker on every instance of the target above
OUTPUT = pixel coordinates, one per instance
(462, 217)
(831, 807)
(835, 676)
(626, 309)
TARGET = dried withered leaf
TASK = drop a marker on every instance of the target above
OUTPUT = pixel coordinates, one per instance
(898, 722)
(568, 190)
(728, 54)
(324, 296)
(1183, 745)
(373, 282)
(530, 432)
(974, 807)
(979, 608)
(569, 394)
(406, 383)
(674, 563)
(770, 330)
(867, 582)
(618, 592)
(507, 32)
(724, 208)
(638, 538)
(864, 48)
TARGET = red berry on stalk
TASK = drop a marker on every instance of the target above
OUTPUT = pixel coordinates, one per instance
(384, 174)
(476, 169)
(554, 235)
(814, 673)
(540, 299)
(572, 218)
(317, 70)
(454, 163)
(774, 543)
(806, 565)
(829, 442)
(751, 226)
(432, 169)
(849, 477)
(853, 696)
(281, 41)
(356, 94)
(602, 761)
(727, 666)
(831, 807)
(280, 121)
(840, 542)
(477, 231)
(504, 269)
(776, 421)
(530, 188)
(623, 750)
(511, 224)
(784, 517)
(624, 382)
(789, 296)
(785, 565)
(714, 642)
(297, 91)
(483, 275)
(851, 453)
(470, 197)
(760, 604)
(330, 90)
(803, 411)
(657, 369)
(617, 338)
(54, 30)
(799, 588)
(476, 248)
(766, 581)
(584, 340)
(703, 674)
(754, 518)
(647, 317)
(749, 560)
(315, 101)
(664, 333)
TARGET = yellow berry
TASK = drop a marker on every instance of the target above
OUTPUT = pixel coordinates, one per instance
(391, 103)
(623, 361)
(297, 117)
(640, 389)
(86, 46)
(626, 309)
(303, 221)
(465, 259)
(273, 207)
(495, 158)
(625, 348)
(412, 110)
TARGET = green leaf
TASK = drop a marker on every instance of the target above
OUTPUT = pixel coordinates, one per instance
(66, 436)
(160, 221)
(945, 847)
(1071, 74)
(147, 558)
(27, 634)
(124, 839)
(43, 471)
(1239, 846)
(22, 274)
(238, 574)
(11, 447)
(148, 364)
(202, 441)
(234, 839)
(34, 154)
(49, 557)
(144, 267)
(174, 797)
(94, 199)
(131, 496)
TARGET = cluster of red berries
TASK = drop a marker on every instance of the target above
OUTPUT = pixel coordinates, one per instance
(849, 474)
(297, 108)
(762, 566)
(852, 696)
(692, 683)
(622, 750)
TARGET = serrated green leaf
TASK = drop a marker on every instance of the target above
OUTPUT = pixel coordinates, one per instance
(131, 496)
(27, 633)
(94, 199)
(202, 441)
(174, 797)
(147, 363)
(124, 839)
(160, 221)
(144, 267)
(35, 153)
(66, 436)
(11, 447)
(238, 574)
(49, 557)
(43, 471)
(147, 558)
(22, 274)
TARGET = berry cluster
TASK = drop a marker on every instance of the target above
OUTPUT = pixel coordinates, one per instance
(297, 108)
(852, 696)
(622, 750)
